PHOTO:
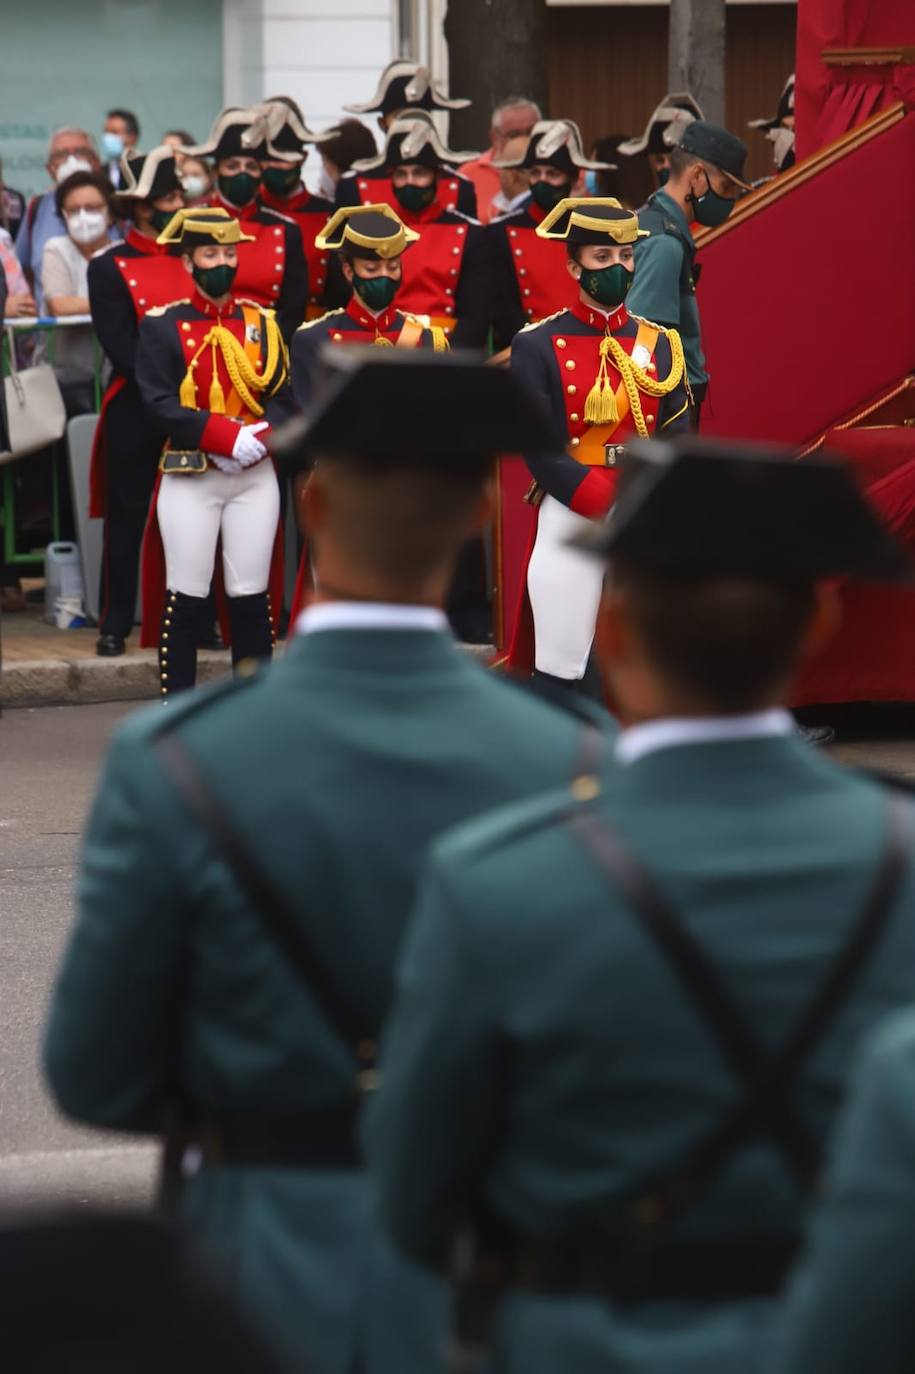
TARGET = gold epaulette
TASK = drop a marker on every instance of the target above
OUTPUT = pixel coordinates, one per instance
(264, 309)
(161, 309)
(309, 324)
(535, 324)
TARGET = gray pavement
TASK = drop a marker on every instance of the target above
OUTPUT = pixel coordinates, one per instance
(48, 762)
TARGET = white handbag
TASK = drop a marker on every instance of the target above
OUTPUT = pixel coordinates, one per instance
(35, 412)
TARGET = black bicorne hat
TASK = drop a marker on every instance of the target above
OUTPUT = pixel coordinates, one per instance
(404, 85)
(704, 508)
(147, 176)
(227, 136)
(462, 412)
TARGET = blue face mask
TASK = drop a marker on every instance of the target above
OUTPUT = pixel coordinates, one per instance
(112, 145)
(592, 184)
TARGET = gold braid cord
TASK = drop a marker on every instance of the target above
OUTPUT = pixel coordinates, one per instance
(600, 405)
(244, 377)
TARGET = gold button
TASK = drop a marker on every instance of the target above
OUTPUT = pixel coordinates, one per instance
(574, 415)
(585, 787)
(570, 364)
(571, 389)
(575, 443)
(185, 325)
(337, 338)
(649, 419)
(560, 343)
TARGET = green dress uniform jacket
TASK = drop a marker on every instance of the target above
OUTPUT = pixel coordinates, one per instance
(543, 1057)
(665, 281)
(850, 1309)
(339, 764)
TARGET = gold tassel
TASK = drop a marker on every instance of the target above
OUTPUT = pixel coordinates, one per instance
(600, 405)
(217, 395)
(187, 391)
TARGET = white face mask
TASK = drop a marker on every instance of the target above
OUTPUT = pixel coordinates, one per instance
(782, 142)
(70, 165)
(327, 187)
(194, 187)
(85, 226)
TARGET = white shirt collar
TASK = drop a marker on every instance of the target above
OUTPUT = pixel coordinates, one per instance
(369, 615)
(653, 735)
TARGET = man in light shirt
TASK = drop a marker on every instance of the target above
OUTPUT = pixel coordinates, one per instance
(598, 985)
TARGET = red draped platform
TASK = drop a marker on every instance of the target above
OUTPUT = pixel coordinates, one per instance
(808, 322)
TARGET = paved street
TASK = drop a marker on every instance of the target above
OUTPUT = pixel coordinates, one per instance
(48, 763)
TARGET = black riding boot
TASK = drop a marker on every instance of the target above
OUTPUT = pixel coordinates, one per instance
(252, 629)
(178, 638)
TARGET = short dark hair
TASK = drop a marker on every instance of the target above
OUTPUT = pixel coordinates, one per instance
(79, 179)
(726, 641)
(187, 139)
(350, 140)
(680, 159)
(129, 118)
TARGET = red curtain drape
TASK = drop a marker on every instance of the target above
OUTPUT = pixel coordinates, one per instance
(831, 100)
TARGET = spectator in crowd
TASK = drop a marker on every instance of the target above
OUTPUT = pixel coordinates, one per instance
(11, 597)
(196, 177)
(514, 182)
(70, 150)
(511, 119)
(121, 133)
(12, 207)
(84, 203)
(19, 299)
(177, 139)
(349, 141)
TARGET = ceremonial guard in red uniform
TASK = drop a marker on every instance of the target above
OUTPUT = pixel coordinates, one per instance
(662, 134)
(207, 367)
(448, 276)
(532, 278)
(272, 269)
(404, 86)
(369, 241)
(283, 190)
(605, 377)
(125, 282)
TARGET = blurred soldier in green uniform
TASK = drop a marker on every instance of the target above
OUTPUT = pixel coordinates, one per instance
(850, 1309)
(627, 1008)
(330, 773)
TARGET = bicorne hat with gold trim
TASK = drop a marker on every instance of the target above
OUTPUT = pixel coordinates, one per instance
(556, 143)
(587, 219)
(197, 226)
(147, 176)
(412, 138)
(227, 136)
(405, 84)
(366, 231)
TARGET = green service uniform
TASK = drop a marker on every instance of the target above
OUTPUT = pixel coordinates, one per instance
(544, 1059)
(851, 1307)
(339, 765)
(665, 281)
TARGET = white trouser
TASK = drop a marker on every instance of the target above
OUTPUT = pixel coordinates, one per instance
(564, 586)
(193, 511)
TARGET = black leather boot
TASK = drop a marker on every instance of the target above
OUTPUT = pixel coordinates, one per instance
(178, 638)
(252, 628)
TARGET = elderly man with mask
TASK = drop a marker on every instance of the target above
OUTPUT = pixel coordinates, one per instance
(70, 150)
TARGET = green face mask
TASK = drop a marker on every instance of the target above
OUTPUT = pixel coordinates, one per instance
(548, 196)
(609, 286)
(160, 218)
(239, 189)
(376, 292)
(415, 198)
(282, 181)
(215, 282)
(711, 209)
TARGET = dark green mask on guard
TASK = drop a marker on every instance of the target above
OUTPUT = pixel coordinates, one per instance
(160, 218)
(548, 196)
(215, 282)
(609, 286)
(415, 198)
(376, 292)
(239, 189)
(282, 181)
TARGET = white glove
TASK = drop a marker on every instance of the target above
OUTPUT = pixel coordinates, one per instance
(247, 448)
(228, 465)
